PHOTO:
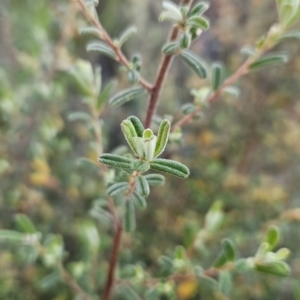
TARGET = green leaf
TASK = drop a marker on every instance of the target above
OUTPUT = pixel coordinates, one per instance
(185, 40)
(278, 268)
(162, 137)
(101, 47)
(229, 249)
(269, 60)
(209, 282)
(155, 179)
(126, 95)
(130, 133)
(170, 166)
(11, 236)
(188, 108)
(138, 200)
(90, 30)
(149, 144)
(172, 12)
(117, 188)
(199, 9)
(290, 35)
(166, 262)
(138, 125)
(195, 62)
(272, 237)
(133, 76)
(140, 166)
(171, 48)
(126, 34)
(221, 260)
(116, 161)
(142, 186)
(129, 216)
(24, 224)
(79, 115)
(232, 90)
(105, 93)
(127, 293)
(217, 75)
(198, 22)
(225, 282)
(248, 50)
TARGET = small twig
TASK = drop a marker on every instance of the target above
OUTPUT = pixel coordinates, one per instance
(161, 75)
(106, 37)
(74, 286)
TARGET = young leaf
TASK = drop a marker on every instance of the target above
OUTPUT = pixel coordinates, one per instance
(199, 9)
(133, 76)
(105, 93)
(248, 50)
(90, 30)
(229, 249)
(101, 47)
(142, 186)
(129, 134)
(194, 62)
(269, 60)
(139, 128)
(170, 166)
(278, 268)
(155, 179)
(162, 137)
(129, 216)
(126, 34)
(217, 75)
(117, 188)
(198, 22)
(116, 161)
(188, 108)
(126, 95)
(272, 237)
(139, 200)
(24, 224)
(185, 40)
(172, 11)
(149, 147)
(170, 48)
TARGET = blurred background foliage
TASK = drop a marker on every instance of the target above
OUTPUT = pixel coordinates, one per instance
(243, 153)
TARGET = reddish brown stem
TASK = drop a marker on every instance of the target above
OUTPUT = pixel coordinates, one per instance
(161, 76)
(106, 37)
(110, 281)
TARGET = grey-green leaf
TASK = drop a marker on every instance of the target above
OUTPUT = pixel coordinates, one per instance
(199, 9)
(140, 166)
(198, 22)
(79, 115)
(139, 128)
(162, 137)
(171, 48)
(129, 134)
(126, 34)
(272, 237)
(142, 186)
(126, 95)
(101, 47)
(105, 93)
(279, 268)
(195, 62)
(229, 249)
(171, 167)
(155, 179)
(129, 222)
(217, 75)
(290, 35)
(90, 30)
(117, 188)
(139, 200)
(269, 60)
(11, 236)
(116, 161)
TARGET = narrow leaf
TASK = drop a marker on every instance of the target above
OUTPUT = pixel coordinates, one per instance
(79, 115)
(248, 50)
(162, 137)
(138, 200)
(272, 237)
(221, 260)
(173, 9)
(11, 236)
(290, 35)
(195, 62)
(188, 108)
(278, 268)
(229, 249)
(269, 60)
(126, 95)
(139, 128)
(129, 216)
(170, 48)
(127, 292)
(105, 93)
(209, 282)
(155, 179)
(185, 40)
(140, 166)
(198, 22)
(90, 30)
(225, 282)
(199, 9)
(101, 47)
(217, 75)
(170, 166)
(129, 134)
(117, 188)
(126, 34)
(142, 186)
(115, 160)
(24, 224)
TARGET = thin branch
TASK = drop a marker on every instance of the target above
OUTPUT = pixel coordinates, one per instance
(106, 37)
(74, 286)
(163, 69)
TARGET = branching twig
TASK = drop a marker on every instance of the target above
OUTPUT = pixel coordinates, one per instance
(161, 75)
(106, 37)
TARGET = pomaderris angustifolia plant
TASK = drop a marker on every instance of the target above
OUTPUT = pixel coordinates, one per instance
(128, 175)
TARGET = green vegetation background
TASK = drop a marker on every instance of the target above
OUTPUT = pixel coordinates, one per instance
(243, 152)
